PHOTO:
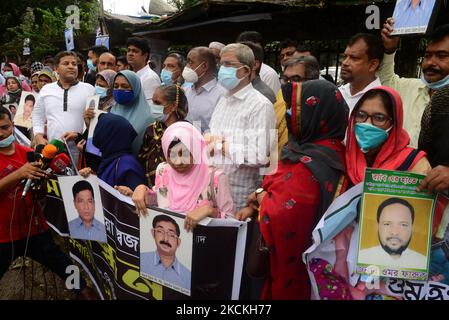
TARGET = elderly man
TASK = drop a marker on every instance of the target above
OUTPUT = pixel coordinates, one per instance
(205, 92)
(107, 61)
(216, 47)
(241, 124)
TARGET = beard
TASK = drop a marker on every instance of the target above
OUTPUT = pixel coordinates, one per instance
(397, 251)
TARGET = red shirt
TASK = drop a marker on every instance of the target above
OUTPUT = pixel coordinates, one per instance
(14, 225)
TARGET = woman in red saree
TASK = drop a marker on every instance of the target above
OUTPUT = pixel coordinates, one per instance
(311, 172)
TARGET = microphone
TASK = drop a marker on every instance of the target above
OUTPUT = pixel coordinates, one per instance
(60, 163)
(58, 144)
(48, 153)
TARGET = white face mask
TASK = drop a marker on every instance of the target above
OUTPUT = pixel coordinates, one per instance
(190, 75)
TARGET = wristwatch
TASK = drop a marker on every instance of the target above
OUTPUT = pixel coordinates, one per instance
(257, 192)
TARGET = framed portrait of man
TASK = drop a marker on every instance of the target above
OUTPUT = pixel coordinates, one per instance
(23, 116)
(413, 16)
(83, 207)
(166, 250)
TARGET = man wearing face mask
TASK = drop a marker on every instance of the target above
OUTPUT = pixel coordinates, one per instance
(416, 93)
(92, 61)
(241, 124)
(172, 68)
(23, 229)
(205, 92)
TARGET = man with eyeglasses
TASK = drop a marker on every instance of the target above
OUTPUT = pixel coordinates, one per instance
(162, 263)
(301, 69)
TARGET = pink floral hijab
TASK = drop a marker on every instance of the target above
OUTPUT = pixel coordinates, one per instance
(184, 189)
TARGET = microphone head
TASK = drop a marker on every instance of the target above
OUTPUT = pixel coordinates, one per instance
(49, 151)
(60, 162)
(39, 148)
(31, 156)
(58, 144)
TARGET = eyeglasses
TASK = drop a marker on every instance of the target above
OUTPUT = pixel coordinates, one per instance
(170, 234)
(378, 119)
(295, 78)
(286, 54)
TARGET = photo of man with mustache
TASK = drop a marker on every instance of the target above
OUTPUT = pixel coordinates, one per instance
(395, 219)
(162, 263)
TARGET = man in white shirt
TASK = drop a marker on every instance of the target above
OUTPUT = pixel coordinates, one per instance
(267, 73)
(242, 125)
(138, 55)
(61, 104)
(362, 58)
(205, 92)
(395, 219)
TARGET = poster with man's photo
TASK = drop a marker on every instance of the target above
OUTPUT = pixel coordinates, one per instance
(93, 102)
(83, 207)
(166, 250)
(22, 116)
(395, 226)
(413, 16)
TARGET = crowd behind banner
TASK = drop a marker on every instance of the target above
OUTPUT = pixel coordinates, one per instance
(186, 156)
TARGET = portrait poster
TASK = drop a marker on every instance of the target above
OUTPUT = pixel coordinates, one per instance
(166, 250)
(102, 41)
(83, 207)
(395, 226)
(413, 16)
(12, 107)
(93, 102)
(69, 40)
(23, 116)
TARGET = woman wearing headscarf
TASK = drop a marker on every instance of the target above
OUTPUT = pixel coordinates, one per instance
(377, 139)
(12, 70)
(103, 87)
(310, 174)
(45, 76)
(113, 136)
(185, 183)
(131, 104)
(169, 105)
(14, 91)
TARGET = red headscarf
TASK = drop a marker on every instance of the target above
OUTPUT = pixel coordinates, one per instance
(395, 149)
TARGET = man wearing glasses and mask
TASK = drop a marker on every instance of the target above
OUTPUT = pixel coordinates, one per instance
(163, 263)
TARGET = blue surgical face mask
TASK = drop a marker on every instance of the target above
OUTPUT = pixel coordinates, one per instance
(369, 136)
(157, 111)
(166, 76)
(102, 92)
(7, 141)
(90, 65)
(8, 74)
(435, 85)
(123, 96)
(227, 77)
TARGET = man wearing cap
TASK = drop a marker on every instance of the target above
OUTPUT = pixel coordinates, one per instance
(138, 55)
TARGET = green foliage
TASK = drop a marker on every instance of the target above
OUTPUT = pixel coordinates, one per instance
(44, 26)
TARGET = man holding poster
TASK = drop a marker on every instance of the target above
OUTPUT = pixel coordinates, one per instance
(395, 219)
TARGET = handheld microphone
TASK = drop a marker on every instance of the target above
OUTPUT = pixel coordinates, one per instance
(58, 144)
(48, 153)
(60, 163)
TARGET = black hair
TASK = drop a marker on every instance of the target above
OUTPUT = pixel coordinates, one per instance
(98, 50)
(140, 43)
(252, 36)
(391, 201)
(164, 217)
(374, 44)
(63, 54)
(384, 96)
(286, 43)
(30, 97)
(122, 59)
(5, 112)
(81, 186)
(439, 33)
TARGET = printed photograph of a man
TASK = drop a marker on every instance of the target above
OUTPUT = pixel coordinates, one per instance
(395, 223)
(23, 116)
(163, 263)
(85, 226)
(412, 13)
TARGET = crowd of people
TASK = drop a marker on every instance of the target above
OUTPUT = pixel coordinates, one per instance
(221, 134)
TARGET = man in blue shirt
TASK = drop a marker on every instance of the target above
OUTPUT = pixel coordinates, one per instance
(163, 263)
(85, 226)
(412, 13)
